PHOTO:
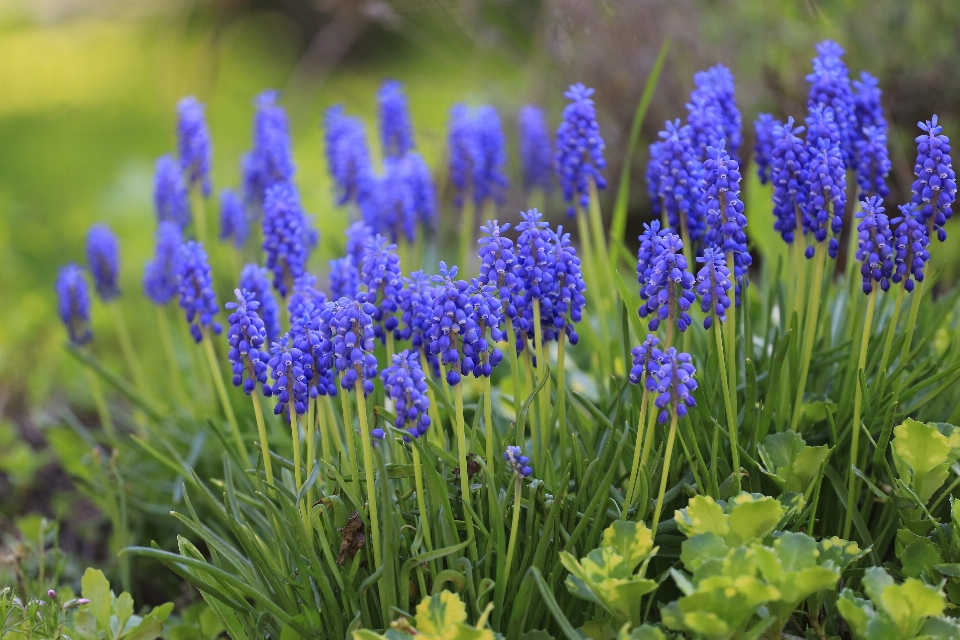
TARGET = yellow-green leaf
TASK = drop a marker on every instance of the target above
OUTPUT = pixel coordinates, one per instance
(436, 613)
(632, 540)
(702, 515)
(922, 456)
(752, 518)
(95, 587)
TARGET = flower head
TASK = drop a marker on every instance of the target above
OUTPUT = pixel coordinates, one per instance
(270, 161)
(935, 189)
(396, 130)
(344, 278)
(645, 363)
(726, 223)
(826, 184)
(160, 274)
(358, 235)
(873, 163)
(830, 90)
(193, 141)
(652, 179)
(195, 284)
(717, 86)
(705, 122)
(346, 327)
(675, 384)
(103, 260)
(763, 147)
(713, 283)
(348, 158)
(382, 277)
(788, 174)
(451, 323)
(478, 154)
(233, 218)
(910, 244)
(289, 383)
(669, 293)
(534, 267)
(416, 306)
(567, 296)
(306, 294)
(73, 303)
(681, 169)
(498, 263)
(648, 251)
(170, 199)
(405, 382)
(283, 236)
(866, 99)
(517, 461)
(246, 336)
(256, 280)
(535, 157)
(579, 156)
(875, 246)
(404, 199)
(486, 315)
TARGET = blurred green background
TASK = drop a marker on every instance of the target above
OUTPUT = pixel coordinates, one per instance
(88, 90)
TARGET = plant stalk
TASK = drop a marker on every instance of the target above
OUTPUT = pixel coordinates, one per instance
(464, 476)
(728, 404)
(222, 392)
(368, 468)
(810, 334)
(671, 437)
(262, 432)
(857, 401)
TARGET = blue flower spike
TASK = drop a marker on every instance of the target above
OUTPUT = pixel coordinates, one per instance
(246, 336)
(171, 201)
(73, 303)
(406, 384)
(195, 285)
(579, 156)
(763, 147)
(519, 463)
(713, 286)
(194, 144)
(234, 224)
(645, 362)
(270, 161)
(935, 189)
(536, 161)
(669, 293)
(675, 384)
(875, 246)
(284, 232)
(911, 242)
(396, 129)
(346, 329)
(103, 260)
(160, 274)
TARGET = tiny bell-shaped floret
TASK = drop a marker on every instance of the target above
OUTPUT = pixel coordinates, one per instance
(289, 383)
(195, 284)
(382, 277)
(875, 247)
(406, 384)
(763, 146)
(645, 362)
(256, 279)
(517, 461)
(675, 384)
(713, 285)
(246, 337)
(910, 245)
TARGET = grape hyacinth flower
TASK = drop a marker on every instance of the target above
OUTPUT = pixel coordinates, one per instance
(830, 90)
(451, 323)
(646, 363)
(193, 142)
(725, 221)
(669, 293)
(713, 283)
(415, 301)
(705, 122)
(487, 314)
(233, 219)
(289, 384)
(256, 280)
(866, 100)
(246, 336)
(195, 284)
(305, 293)
(679, 181)
(763, 147)
(391, 209)
(652, 179)
(381, 276)
(675, 384)
(405, 383)
(717, 85)
(536, 162)
(874, 245)
(170, 199)
(498, 263)
(910, 243)
(358, 235)
(535, 277)
(821, 123)
(344, 278)
(346, 327)
(826, 184)
(568, 293)
(461, 140)
(935, 189)
(579, 156)
(271, 160)
(73, 303)
(788, 174)
(489, 179)
(103, 260)
(160, 274)
(519, 463)
(873, 163)
(283, 236)
(396, 129)
(348, 158)
(648, 251)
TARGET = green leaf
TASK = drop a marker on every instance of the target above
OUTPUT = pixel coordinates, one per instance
(791, 463)
(95, 587)
(643, 632)
(702, 515)
(701, 548)
(123, 608)
(148, 629)
(922, 456)
(632, 540)
(840, 552)
(919, 558)
(436, 613)
(752, 517)
(910, 603)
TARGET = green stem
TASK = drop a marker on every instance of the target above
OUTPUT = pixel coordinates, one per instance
(103, 410)
(648, 433)
(126, 346)
(888, 340)
(599, 237)
(422, 503)
(466, 233)
(368, 466)
(435, 434)
(515, 371)
(352, 461)
(295, 439)
(912, 321)
(311, 455)
(262, 432)
(730, 335)
(562, 399)
(324, 428)
(514, 527)
(464, 475)
(810, 334)
(491, 442)
(635, 467)
(857, 401)
(732, 428)
(167, 340)
(543, 374)
(222, 392)
(532, 409)
(671, 437)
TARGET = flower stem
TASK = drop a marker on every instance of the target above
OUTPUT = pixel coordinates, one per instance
(295, 439)
(126, 346)
(635, 467)
(728, 405)
(543, 376)
(912, 320)
(222, 392)
(435, 434)
(671, 437)
(857, 401)
(466, 232)
(648, 432)
(888, 340)
(352, 461)
(421, 502)
(171, 356)
(514, 526)
(368, 466)
(311, 455)
(464, 475)
(103, 410)
(262, 431)
(730, 336)
(810, 334)
(599, 236)
(562, 398)
(515, 371)
(488, 421)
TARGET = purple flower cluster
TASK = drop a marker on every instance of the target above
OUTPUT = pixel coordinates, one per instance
(830, 90)
(713, 285)
(935, 189)
(678, 182)
(344, 278)
(382, 277)
(451, 324)
(348, 158)
(826, 184)
(195, 147)
(866, 101)
(405, 382)
(246, 336)
(579, 155)
(306, 294)
(498, 263)
(170, 199)
(536, 162)
(346, 329)
(648, 252)
(415, 301)
(289, 382)
(874, 244)
(910, 244)
(567, 297)
(763, 146)
(358, 235)
(652, 178)
(233, 218)
(160, 274)
(705, 122)
(256, 280)
(195, 284)
(675, 383)
(103, 260)
(487, 315)
(73, 303)
(396, 129)
(788, 174)
(517, 461)
(270, 161)
(873, 162)
(716, 86)
(725, 221)
(644, 364)
(667, 291)
(404, 198)
(284, 232)
(478, 154)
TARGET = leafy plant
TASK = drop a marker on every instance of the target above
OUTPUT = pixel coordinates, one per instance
(439, 617)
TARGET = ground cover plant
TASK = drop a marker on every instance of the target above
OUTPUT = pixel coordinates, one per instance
(712, 438)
